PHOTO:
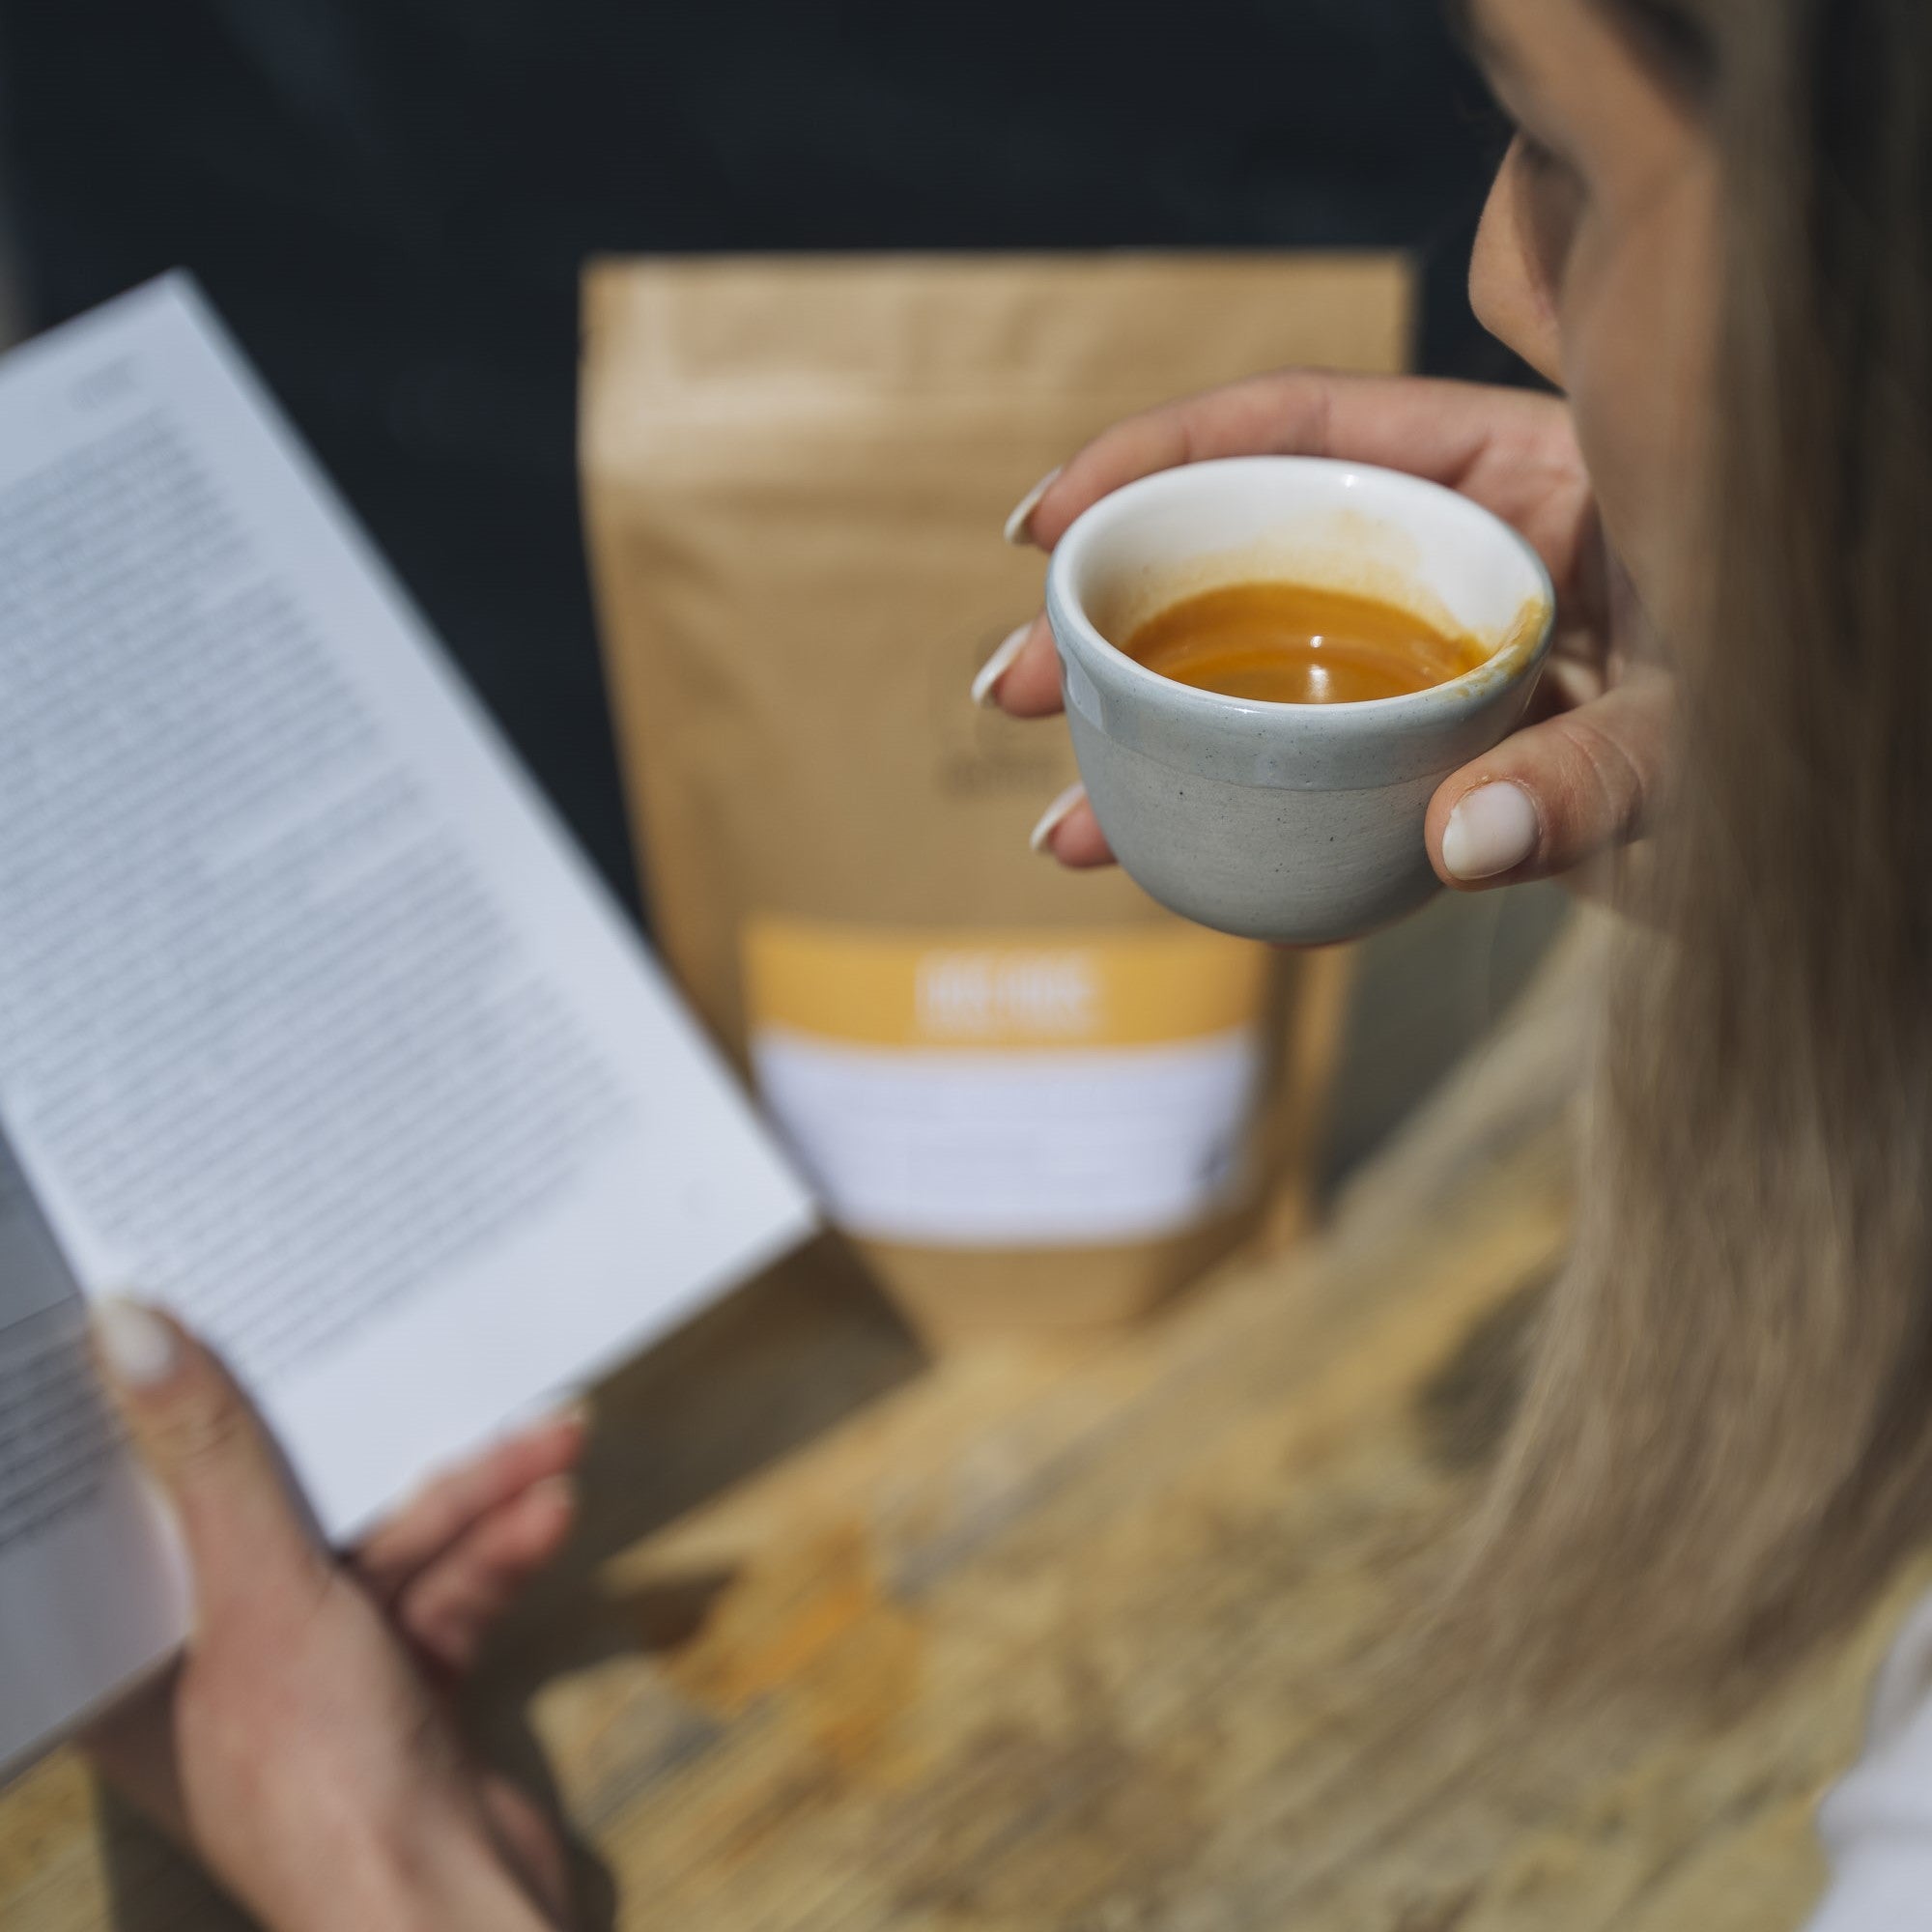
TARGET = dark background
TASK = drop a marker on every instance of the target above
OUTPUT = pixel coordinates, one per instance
(390, 201)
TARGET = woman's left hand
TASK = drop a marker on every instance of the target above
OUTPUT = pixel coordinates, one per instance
(303, 1747)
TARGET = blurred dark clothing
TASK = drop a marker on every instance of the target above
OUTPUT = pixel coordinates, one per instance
(390, 200)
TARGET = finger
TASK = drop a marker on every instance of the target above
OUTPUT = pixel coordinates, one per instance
(439, 1520)
(1071, 834)
(246, 1531)
(1028, 684)
(1550, 798)
(1488, 441)
(450, 1608)
(532, 1842)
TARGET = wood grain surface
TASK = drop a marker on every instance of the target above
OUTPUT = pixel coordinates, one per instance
(1082, 1640)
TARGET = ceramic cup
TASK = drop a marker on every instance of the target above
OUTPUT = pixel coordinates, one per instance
(1297, 823)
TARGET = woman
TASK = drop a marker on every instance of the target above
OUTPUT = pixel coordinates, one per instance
(1714, 234)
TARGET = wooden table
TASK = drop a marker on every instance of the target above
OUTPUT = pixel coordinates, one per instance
(1076, 1640)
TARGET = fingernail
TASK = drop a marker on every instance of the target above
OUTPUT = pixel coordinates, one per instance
(559, 1497)
(562, 1492)
(577, 1414)
(1492, 830)
(999, 665)
(136, 1346)
(1056, 816)
(1018, 531)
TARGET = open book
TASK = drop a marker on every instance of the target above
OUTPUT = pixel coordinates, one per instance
(313, 1027)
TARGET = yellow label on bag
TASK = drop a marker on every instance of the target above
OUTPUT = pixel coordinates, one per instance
(1141, 988)
(995, 1090)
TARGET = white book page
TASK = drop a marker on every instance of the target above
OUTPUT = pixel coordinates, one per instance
(92, 1595)
(313, 1026)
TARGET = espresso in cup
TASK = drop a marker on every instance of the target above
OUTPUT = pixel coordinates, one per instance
(1297, 644)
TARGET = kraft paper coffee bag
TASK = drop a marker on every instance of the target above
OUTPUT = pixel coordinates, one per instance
(1036, 1100)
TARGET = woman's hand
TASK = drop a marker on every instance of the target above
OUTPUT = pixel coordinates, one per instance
(1576, 781)
(301, 1748)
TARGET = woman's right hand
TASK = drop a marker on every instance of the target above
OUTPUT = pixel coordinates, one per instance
(1577, 780)
(302, 1747)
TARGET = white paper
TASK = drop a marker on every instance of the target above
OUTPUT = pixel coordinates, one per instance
(313, 1025)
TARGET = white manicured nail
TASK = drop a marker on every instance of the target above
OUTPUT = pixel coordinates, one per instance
(1055, 815)
(560, 1493)
(136, 1347)
(999, 665)
(1017, 531)
(1492, 830)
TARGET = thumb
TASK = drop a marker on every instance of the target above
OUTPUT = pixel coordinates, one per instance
(1560, 793)
(209, 1452)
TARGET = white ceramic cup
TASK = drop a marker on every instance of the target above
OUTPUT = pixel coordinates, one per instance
(1297, 823)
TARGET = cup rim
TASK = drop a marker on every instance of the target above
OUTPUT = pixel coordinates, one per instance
(1467, 692)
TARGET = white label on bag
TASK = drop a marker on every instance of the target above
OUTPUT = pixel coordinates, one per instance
(1027, 1090)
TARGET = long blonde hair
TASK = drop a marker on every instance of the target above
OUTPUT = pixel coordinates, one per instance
(1726, 1443)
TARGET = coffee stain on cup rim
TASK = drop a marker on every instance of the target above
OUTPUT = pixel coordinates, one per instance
(1519, 643)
